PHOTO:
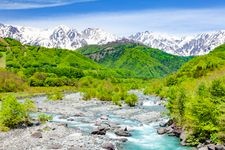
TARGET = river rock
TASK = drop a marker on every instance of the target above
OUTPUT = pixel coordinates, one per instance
(122, 132)
(183, 138)
(100, 131)
(203, 148)
(80, 114)
(211, 147)
(37, 134)
(161, 131)
(220, 147)
(104, 127)
(122, 139)
(103, 117)
(108, 146)
(55, 146)
(70, 119)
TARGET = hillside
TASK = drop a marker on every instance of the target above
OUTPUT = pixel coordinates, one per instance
(42, 65)
(196, 94)
(145, 62)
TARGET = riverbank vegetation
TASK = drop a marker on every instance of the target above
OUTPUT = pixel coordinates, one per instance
(15, 114)
(196, 96)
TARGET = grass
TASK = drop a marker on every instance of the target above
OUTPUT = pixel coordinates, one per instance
(3, 60)
(35, 91)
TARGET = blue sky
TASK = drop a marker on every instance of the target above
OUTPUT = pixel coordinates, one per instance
(122, 17)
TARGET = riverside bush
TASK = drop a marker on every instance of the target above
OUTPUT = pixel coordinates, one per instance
(55, 96)
(13, 113)
(131, 100)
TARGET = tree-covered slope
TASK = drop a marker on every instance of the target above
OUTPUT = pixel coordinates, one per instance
(196, 97)
(145, 62)
(49, 66)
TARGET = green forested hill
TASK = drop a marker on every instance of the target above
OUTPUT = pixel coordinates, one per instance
(49, 66)
(145, 62)
(196, 97)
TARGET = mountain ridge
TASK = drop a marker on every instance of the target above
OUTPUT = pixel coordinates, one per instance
(70, 38)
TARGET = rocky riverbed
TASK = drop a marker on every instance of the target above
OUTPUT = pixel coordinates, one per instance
(93, 125)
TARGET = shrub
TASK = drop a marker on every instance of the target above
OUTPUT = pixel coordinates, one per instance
(217, 89)
(55, 96)
(44, 118)
(116, 99)
(131, 100)
(13, 113)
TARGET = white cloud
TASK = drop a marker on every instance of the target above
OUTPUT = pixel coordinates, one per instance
(179, 22)
(28, 4)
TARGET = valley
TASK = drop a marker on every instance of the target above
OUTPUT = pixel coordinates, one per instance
(69, 96)
(112, 75)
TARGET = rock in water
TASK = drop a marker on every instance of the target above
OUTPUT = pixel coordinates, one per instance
(108, 146)
(37, 134)
(98, 132)
(122, 132)
(161, 131)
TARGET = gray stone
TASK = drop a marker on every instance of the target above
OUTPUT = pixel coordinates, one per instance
(70, 119)
(211, 147)
(108, 146)
(183, 138)
(203, 148)
(122, 139)
(37, 134)
(220, 147)
(104, 117)
(122, 132)
(55, 146)
(161, 131)
(98, 132)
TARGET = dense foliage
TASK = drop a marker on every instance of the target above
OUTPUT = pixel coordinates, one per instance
(196, 96)
(141, 61)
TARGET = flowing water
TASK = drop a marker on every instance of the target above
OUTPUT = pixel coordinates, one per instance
(144, 135)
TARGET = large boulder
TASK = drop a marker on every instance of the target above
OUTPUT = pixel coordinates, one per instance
(101, 130)
(161, 131)
(123, 132)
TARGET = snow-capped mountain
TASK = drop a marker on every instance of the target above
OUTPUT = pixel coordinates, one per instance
(157, 40)
(58, 37)
(69, 38)
(202, 43)
(186, 46)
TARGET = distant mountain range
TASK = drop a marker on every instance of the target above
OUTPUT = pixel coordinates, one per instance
(69, 38)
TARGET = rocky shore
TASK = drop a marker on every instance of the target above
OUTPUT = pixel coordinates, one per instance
(78, 124)
(171, 129)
